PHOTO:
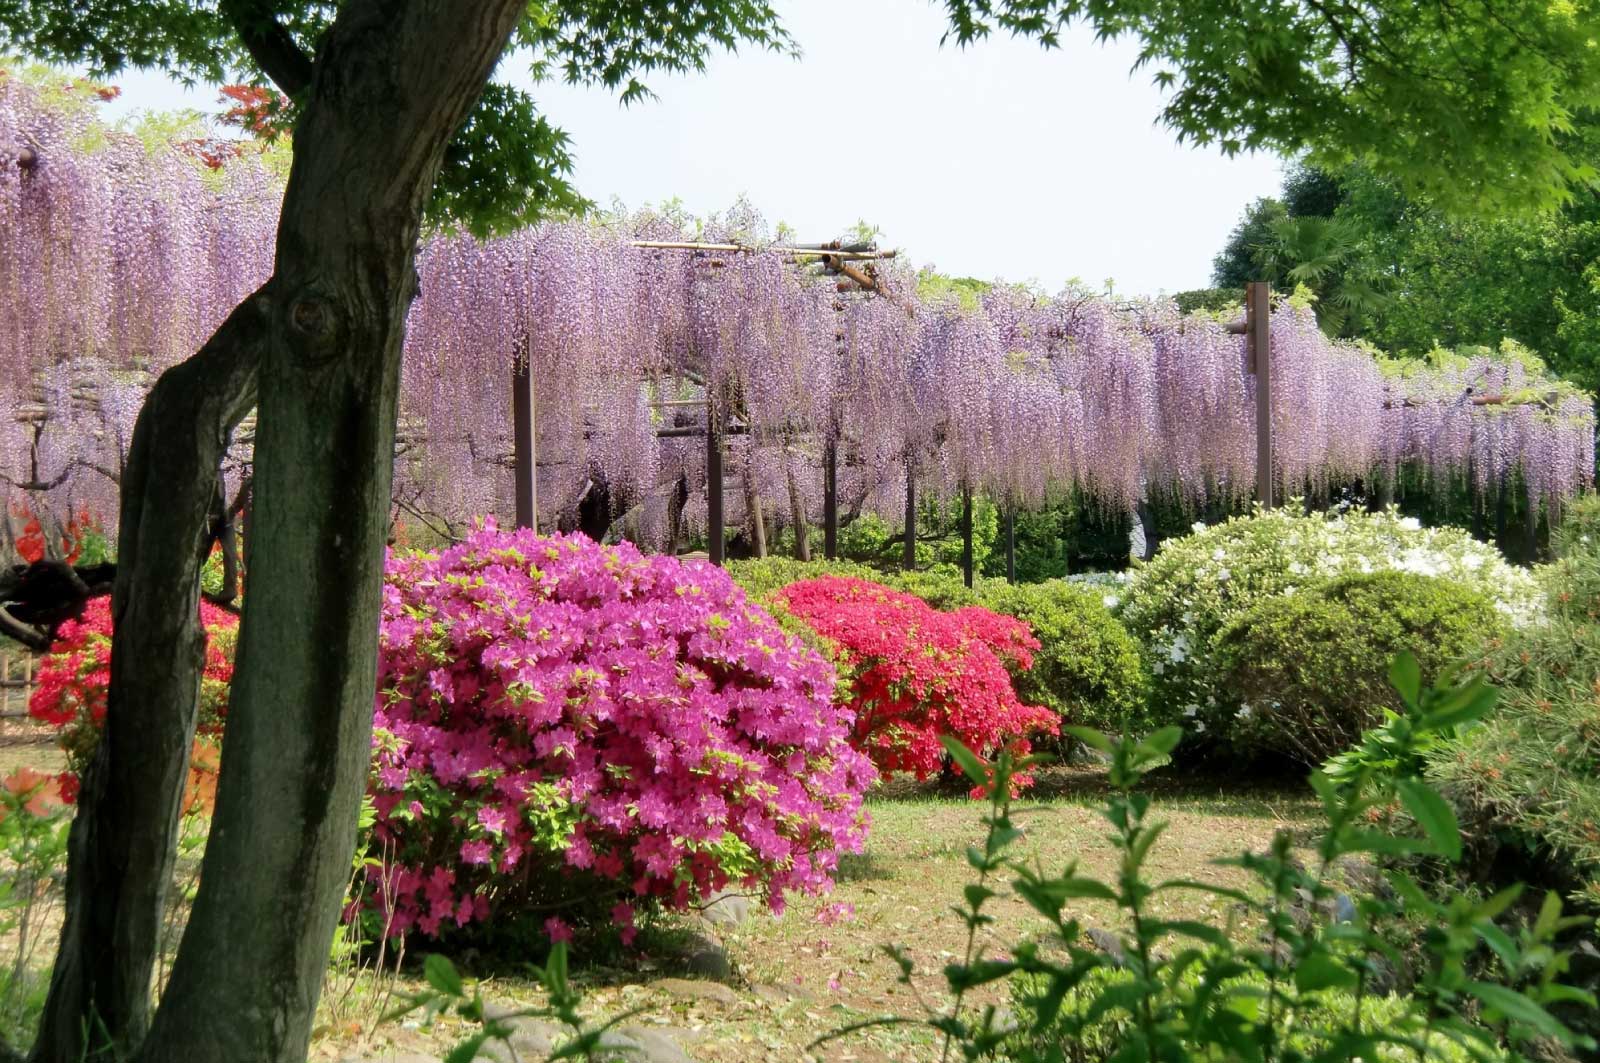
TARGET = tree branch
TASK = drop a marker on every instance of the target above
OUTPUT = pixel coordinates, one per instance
(272, 47)
(30, 636)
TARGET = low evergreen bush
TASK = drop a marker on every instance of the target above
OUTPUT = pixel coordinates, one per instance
(1179, 603)
(1307, 668)
(1088, 669)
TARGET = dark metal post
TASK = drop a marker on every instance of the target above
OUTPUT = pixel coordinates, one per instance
(525, 468)
(1258, 318)
(714, 481)
(966, 535)
(908, 559)
(830, 500)
(1011, 543)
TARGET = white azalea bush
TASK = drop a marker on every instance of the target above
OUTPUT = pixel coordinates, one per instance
(1179, 603)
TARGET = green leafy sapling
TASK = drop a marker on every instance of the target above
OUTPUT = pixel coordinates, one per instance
(1293, 973)
(447, 992)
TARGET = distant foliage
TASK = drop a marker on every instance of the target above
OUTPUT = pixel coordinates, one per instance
(1178, 604)
(1527, 782)
(567, 730)
(1308, 668)
(918, 675)
(762, 578)
(75, 675)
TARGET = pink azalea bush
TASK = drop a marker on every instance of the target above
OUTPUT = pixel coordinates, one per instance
(566, 730)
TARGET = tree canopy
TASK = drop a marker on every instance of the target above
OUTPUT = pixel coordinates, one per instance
(1397, 271)
(1474, 104)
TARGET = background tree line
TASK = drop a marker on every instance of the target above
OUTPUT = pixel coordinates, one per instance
(1394, 269)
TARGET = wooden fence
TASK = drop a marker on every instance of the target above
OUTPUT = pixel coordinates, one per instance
(18, 672)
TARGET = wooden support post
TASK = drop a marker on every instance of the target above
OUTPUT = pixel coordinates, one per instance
(525, 467)
(966, 535)
(714, 530)
(753, 515)
(1258, 335)
(797, 517)
(830, 501)
(908, 558)
(1011, 543)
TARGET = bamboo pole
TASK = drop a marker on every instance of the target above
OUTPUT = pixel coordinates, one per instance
(789, 250)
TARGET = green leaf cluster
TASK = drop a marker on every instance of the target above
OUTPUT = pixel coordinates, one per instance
(1293, 970)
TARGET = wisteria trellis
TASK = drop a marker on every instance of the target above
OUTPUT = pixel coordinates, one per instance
(122, 254)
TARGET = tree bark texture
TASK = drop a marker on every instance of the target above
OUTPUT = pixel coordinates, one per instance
(391, 83)
(124, 837)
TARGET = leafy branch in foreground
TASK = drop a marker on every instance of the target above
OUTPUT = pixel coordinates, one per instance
(447, 992)
(1316, 981)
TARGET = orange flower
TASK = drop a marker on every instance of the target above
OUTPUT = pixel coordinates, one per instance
(200, 796)
(38, 792)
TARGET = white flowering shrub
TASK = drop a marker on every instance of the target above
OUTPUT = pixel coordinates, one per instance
(1178, 603)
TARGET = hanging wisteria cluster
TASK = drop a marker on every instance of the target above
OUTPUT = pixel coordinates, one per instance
(124, 252)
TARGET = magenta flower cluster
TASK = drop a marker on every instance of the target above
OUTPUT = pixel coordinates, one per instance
(560, 721)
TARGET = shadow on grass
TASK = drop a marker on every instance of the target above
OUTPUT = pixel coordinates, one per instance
(1273, 791)
(861, 867)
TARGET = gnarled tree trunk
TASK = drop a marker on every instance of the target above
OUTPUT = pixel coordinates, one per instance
(391, 82)
(124, 838)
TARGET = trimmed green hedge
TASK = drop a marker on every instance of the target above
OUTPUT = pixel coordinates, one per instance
(1311, 670)
(1088, 669)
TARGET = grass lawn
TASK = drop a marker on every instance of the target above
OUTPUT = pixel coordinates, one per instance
(820, 965)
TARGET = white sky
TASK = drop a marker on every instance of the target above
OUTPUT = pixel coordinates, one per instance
(1003, 160)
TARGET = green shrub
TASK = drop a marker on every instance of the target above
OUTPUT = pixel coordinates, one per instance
(1527, 782)
(1097, 1040)
(941, 587)
(761, 576)
(1088, 669)
(1308, 668)
(1290, 967)
(1178, 604)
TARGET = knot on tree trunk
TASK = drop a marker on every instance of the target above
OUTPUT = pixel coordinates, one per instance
(318, 326)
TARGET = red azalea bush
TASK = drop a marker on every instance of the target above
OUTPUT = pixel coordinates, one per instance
(919, 673)
(74, 676)
(565, 729)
